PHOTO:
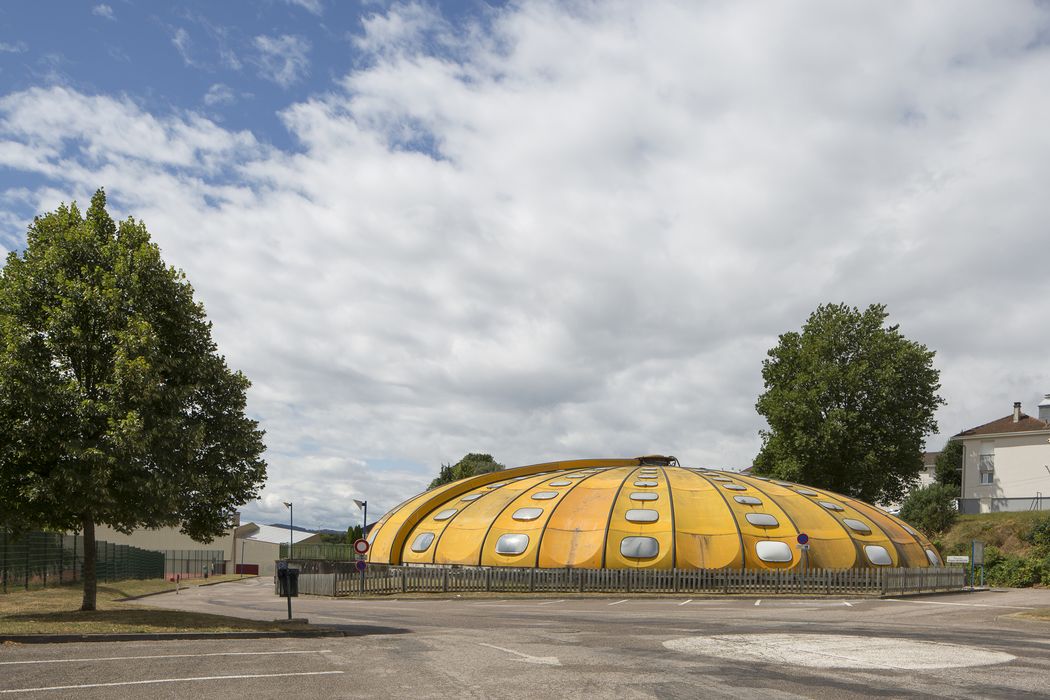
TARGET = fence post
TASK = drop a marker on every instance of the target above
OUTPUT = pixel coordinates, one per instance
(532, 580)
(444, 581)
(581, 573)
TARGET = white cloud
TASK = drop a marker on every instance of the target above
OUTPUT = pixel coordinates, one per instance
(576, 232)
(314, 7)
(16, 47)
(283, 59)
(219, 94)
(182, 42)
(104, 11)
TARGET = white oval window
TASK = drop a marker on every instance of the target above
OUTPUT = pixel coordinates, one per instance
(932, 556)
(806, 492)
(762, 520)
(445, 514)
(512, 544)
(577, 476)
(422, 541)
(734, 487)
(768, 550)
(877, 555)
(527, 513)
(644, 496)
(782, 483)
(642, 515)
(561, 482)
(748, 500)
(639, 547)
(829, 505)
(544, 495)
(645, 483)
(472, 497)
(857, 526)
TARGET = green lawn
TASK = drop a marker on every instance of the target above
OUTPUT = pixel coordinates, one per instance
(55, 611)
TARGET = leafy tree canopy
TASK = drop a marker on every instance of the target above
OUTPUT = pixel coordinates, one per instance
(848, 402)
(931, 509)
(115, 406)
(471, 465)
(949, 465)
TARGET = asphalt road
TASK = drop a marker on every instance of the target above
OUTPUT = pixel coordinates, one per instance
(935, 646)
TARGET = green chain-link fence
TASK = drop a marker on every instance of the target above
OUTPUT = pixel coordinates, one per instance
(41, 559)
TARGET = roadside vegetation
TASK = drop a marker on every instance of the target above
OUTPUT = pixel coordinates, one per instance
(55, 611)
(1017, 546)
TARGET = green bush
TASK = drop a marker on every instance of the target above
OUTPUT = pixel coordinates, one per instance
(1039, 535)
(1013, 571)
(931, 509)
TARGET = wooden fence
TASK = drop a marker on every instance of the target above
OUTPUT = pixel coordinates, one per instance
(341, 579)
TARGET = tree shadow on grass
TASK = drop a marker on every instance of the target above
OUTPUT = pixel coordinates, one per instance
(165, 619)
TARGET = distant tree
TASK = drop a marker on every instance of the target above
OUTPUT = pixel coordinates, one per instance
(471, 465)
(848, 401)
(115, 406)
(931, 509)
(949, 465)
(353, 533)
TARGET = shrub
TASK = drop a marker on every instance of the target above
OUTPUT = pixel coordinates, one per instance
(1040, 534)
(931, 509)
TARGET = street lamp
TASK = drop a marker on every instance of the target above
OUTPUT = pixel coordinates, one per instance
(291, 522)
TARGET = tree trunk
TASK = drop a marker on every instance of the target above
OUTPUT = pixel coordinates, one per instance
(88, 572)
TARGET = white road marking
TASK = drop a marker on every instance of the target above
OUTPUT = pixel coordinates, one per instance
(847, 604)
(172, 680)
(758, 602)
(686, 602)
(966, 605)
(163, 656)
(552, 602)
(546, 660)
(619, 601)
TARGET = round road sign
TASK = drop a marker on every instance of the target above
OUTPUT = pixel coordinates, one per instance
(361, 546)
(361, 565)
(802, 538)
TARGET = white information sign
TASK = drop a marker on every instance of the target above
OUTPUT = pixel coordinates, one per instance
(958, 560)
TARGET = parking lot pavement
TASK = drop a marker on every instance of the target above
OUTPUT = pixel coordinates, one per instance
(934, 646)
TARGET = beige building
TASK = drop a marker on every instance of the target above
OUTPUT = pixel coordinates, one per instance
(183, 555)
(259, 546)
(1006, 463)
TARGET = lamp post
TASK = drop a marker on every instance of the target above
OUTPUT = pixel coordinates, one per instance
(363, 505)
(291, 523)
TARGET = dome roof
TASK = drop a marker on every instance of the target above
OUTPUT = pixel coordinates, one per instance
(640, 513)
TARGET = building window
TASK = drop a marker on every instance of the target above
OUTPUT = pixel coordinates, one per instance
(986, 463)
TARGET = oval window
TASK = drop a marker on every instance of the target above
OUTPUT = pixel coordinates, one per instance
(644, 484)
(747, 500)
(445, 514)
(544, 495)
(512, 544)
(762, 520)
(472, 497)
(644, 496)
(932, 556)
(877, 555)
(734, 487)
(422, 541)
(829, 505)
(857, 526)
(806, 492)
(527, 513)
(639, 547)
(767, 550)
(642, 515)
(561, 482)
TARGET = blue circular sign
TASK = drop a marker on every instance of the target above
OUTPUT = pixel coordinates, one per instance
(361, 565)
(802, 538)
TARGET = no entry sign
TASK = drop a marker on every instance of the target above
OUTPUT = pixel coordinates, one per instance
(361, 546)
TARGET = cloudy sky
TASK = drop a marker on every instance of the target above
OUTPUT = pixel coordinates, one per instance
(549, 230)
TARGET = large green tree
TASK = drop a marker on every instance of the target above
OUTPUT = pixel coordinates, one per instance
(848, 401)
(471, 465)
(115, 407)
(949, 465)
(931, 509)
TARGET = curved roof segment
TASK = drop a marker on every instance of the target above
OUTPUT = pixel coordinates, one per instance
(641, 513)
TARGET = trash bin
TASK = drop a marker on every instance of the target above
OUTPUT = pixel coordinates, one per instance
(288, 583)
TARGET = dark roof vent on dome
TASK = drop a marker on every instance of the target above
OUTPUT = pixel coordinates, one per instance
(658, 460)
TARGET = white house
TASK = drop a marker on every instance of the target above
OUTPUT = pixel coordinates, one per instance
(1006, 463)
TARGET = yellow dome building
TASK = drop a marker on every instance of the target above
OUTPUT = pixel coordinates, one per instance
(647, 512)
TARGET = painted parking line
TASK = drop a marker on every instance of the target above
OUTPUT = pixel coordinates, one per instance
(965, 605)
(192, 679)
(552, 602)
(620, 601)
(686, 602)
(163, 656)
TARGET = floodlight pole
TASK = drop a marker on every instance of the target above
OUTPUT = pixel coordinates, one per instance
(291, 524)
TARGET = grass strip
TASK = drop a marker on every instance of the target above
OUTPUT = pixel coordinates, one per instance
(56, 611)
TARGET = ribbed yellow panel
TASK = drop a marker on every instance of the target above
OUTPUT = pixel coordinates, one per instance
(461, 541)
(575, 534)
(505, 524)
(662, 530)
(751, 535)
(876, 537)
(831, 546)
(706, 534)
(912, 547)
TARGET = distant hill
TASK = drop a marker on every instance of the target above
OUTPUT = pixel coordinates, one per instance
(324, 531)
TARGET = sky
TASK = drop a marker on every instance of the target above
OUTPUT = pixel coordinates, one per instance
(548, 230)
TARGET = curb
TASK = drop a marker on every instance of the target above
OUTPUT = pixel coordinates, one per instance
(196, 585)
(164, 636)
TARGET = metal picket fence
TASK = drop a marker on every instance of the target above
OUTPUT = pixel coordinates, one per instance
(342, 579)
(42, 559)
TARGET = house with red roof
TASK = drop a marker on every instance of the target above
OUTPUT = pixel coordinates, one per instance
(1006, 463)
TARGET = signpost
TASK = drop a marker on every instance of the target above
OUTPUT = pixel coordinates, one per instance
(361, 547)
